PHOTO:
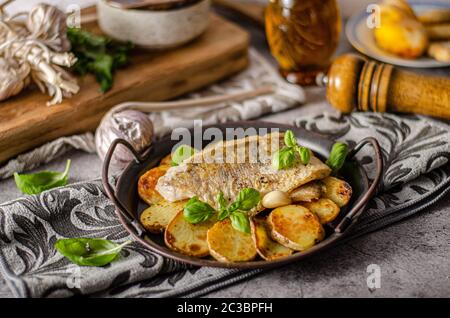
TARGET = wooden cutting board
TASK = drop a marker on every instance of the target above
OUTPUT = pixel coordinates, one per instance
(26, 121)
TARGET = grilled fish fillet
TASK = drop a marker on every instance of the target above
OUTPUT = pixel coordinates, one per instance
(230, 166)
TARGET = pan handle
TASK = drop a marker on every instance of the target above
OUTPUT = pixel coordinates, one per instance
(352, 215)
(125, 217)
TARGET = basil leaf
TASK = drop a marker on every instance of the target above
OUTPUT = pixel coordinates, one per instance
(283, 158)
(305, 154)
(240, 222)
(37, 182)
(338, 155)
(89, 251)
(223, 214)
(182, 153)
(196, 211)
(289, 138)
(221, 201)
(247, 199)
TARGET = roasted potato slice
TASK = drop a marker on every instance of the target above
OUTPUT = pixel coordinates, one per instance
(147, 183)
(166, 161)
(307, 193)
(296, 227)
(228, 245)
(337, 191)
(266, 247)
(187, 238)
(156, 218)
(325, 209)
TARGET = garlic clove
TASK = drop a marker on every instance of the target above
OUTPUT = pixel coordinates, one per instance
(275, 199)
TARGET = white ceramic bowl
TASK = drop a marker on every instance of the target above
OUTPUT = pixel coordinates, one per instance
(154, 29)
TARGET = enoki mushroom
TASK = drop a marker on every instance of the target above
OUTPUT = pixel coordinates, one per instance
(34, 48)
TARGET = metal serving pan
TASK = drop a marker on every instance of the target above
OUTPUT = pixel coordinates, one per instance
(129, 206)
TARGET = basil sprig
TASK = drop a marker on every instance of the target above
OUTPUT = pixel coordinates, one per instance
(287, 156)
(246, 199)
(197, 211)
(182, 153)
(89, 251)
(37, 182)
(337, 157)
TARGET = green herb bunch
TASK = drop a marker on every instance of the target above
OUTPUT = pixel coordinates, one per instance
(288, 156)
(197, 211)
(97, 55)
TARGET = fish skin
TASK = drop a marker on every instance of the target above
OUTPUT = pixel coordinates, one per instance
(206, 174)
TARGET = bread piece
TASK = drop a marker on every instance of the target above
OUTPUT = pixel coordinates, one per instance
(438, 32)
(440, 51)
(402, 5)
(434, 16)
(400, 32)
(296, 227)
(266, 247)
(229, 245)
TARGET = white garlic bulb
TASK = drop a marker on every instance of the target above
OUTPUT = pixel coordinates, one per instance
(48, 24)
(40, 42)
(13, 78)
(131, 125)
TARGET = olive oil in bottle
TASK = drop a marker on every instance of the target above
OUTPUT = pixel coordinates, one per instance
(302, 35)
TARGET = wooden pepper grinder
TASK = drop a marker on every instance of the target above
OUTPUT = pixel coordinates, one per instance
(356, 83)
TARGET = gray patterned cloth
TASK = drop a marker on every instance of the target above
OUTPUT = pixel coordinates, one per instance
(416, 152)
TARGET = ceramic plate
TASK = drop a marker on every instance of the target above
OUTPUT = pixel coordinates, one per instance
(362, 39)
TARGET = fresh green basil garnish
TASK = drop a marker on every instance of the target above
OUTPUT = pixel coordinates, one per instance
(182, 153)
(223, 214)
(247, 199)
(289, 139)
(305, 154)
(89, 251)
(286, 157)
(337, 156)
(196, 211)
(240, 221)
(37, 182)
(223, 207)
(221, 201)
